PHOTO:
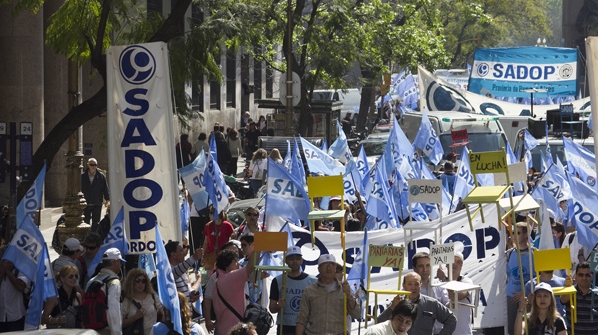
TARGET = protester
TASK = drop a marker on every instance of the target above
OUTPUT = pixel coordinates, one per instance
(464, 319)
(586, 324)
(251, 139)
(296, 282)
(421, 265)
(551, 279)
(188, 326)
(514, 293)
(200, 144)
(92, 244)
(13, 284)
(229, 288)
(223, 152)
(428, 309)
(321, 304)
(236, 149)
(448, 178)
(262, 125)
(71, 250)
(95, 190)
(139, 292)
(250, 225)
(402, 318)
(64, 311)
(243, 329)
(275, 156)
(183, 151)
(217, 233)
(176, 257)
(257, 169)
(558, 231)
(112, 262)
(544, 318)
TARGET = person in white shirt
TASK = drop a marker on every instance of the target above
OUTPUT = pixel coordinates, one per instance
(12, 307)
(464, 313)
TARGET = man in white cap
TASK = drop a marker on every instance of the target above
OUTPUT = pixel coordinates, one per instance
(322, 302)
(71, 250)
(296, 282)
(95, 190)
(112, 262)
(464, 312)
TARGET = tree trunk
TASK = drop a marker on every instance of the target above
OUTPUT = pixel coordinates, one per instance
(366, 99)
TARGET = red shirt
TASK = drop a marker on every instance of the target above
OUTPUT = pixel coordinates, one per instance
(224, 231)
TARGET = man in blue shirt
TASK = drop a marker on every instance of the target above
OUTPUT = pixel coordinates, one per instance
(448, 177)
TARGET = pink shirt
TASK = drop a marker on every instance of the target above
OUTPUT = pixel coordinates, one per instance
(233, 291)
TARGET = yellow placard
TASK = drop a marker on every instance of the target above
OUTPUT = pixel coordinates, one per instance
(488, 162)
(386, 256)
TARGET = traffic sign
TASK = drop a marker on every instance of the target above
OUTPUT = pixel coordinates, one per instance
(296, 89)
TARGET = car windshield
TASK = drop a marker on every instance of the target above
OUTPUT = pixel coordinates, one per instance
(374, 148)
(478, 142)
(556, 150)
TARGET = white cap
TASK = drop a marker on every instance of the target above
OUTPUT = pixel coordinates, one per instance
(543, 286)
(92, 160)
(73, 244)
(113, 253)
(326, 259)
(237, 243)
(459, 254)
(294, 251)
(336, 197)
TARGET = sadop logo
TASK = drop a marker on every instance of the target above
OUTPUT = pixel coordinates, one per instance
(483, 69)
(414, 190)
(137, 65)
(566, 71)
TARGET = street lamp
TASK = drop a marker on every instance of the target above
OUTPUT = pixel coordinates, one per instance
(541, 42)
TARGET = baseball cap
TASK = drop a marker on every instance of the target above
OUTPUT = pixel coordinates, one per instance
(294, 251)
(336, 197)
(543, 286)
(237, 243)
(73, 244)
(459, 254)
(92, 161)
(113, 253)
(326, 259)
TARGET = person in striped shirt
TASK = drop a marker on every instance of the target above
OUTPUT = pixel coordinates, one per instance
(585, 325)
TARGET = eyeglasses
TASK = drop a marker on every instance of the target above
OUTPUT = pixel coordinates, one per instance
(91, 247)
(587, 275)
(185, 246)
(73, 276)
(92, 164)
(140, 280)
(252, 214)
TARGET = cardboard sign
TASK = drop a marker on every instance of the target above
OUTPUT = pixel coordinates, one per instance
(488, 162)
(386, 256)
(442, 254)
(425, 190)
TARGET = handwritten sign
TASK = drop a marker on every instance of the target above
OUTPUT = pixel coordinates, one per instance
(488, 162)
(442, 254)
(386, 256)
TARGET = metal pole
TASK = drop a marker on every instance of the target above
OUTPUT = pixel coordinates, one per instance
(289, 114)
(592, 77)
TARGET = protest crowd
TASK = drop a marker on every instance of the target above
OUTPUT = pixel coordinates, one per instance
(94, 284)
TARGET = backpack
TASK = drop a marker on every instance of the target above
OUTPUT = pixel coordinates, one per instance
(95, 304)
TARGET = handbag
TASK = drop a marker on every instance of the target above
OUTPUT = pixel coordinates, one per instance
(254, 313)
(135, 328)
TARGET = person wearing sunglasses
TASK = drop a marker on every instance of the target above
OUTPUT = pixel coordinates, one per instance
(91, 244)
(139, 293)
(250, 225)
(586, 324)
(71, 250)
(95, 190)
(63, 311)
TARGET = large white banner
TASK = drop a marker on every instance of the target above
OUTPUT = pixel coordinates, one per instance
(438, 95)
(141, 144)
(484, 254)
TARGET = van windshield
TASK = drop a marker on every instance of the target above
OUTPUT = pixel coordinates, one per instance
(477, 142)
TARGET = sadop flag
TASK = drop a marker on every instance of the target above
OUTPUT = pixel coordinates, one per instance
(529, 143)
(185, 215)
(427, 140)
(377, 205)
(115, 239)
(340, 147)
(193, 175)
(214, 181)
(581, 161)
(297, 169)
(396, 148)
(166, 287)
(583, 212)
(146, 262)
(32, 199)
(320, 162)
(324, 146)
(285, 195)
(464, 182)
(287, 228)
(44, 287)
(358, 274)
(25, 248)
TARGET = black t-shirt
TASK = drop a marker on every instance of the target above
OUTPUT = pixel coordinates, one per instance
(542, 328)
(252, 137)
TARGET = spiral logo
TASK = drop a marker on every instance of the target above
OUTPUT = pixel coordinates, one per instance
(566, 71)
(137, 65)
(295, 303)
(483, 69)
(591, 181)
(414, 190)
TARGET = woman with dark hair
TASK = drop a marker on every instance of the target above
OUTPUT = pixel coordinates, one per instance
(558, 230)
(141, 301)
(183, 151)
(217, 232)
(200, 144)
(262, 125)
(63, 311)
(188, 326)
(235, 148)
(544, 318)
(223, 153)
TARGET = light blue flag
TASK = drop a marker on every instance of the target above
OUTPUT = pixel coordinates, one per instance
(549, 160)
(529, 143)
(324, 146)
(340, 147)
(541, 193)
(285, 196)
(511, 157)
(427, 141)
(353, 179)
(297, 169)
(583, 212)
(185, 215)
(288, 158)
(320, 162)
(400, 196)
(555, 183)
(25, 248)
(377, 205)
(193, 175)
(44, 287)
(287, 228)
(166, 286)
(115, 239)
(358, 274)
(146, 262)
(32, 199)
(272, 259)
(580, 161)
(362, 163)
(396, 148)
(214, 181)
(464, 182)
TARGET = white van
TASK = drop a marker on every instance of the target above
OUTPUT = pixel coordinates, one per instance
(351, 98)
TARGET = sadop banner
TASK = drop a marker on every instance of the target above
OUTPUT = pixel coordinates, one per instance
(141, 155)
(438, 95)
(508, 72)
(483, 250)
